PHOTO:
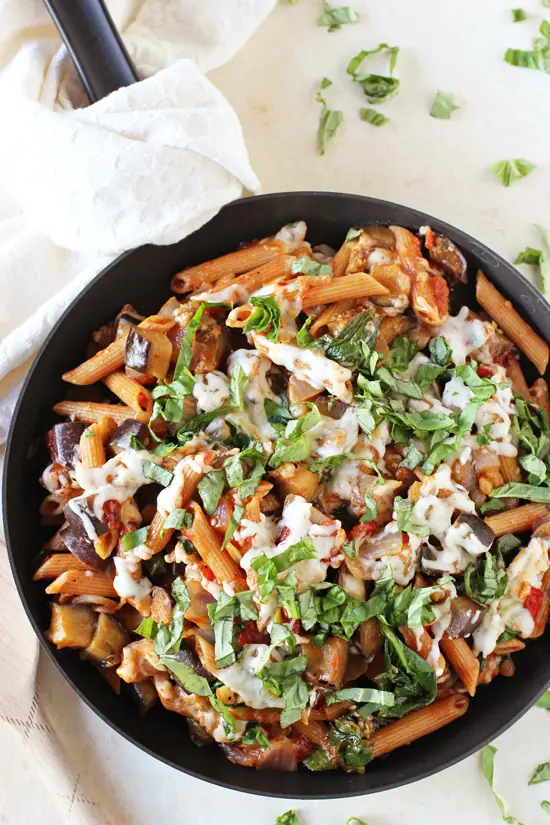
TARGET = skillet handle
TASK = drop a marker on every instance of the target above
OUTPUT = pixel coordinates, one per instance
(94, 44)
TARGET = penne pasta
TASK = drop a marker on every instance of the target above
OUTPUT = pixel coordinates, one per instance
(238, 289)
(56, 542)
(329, 314)
(208, 546)
(205, 651)
(92, 446)
(234, 263)
(540, 396)
(89, 411)
(341, 260)
(419, 723)
(512, 646)
(358, 285)
(516, 376)
(316, 732)
(502, 311)
(83, 582)
(390, 328)
(462, 658)
(509, 468)
(57, 564)
(516, 520)
(131, 393)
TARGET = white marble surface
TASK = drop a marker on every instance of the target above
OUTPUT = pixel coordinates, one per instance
(440, 167)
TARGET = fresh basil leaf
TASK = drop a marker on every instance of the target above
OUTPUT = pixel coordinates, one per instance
(304, 338)
(508, 171)
(236, 516)
(536, 468)
(236, 387)
(295, 695)
(374, 117)
(544, 701)
(348, 347)
(254, 735)
(198, 423)
(413, 457)
(334, 18)
(329, 123)
(287, 588)
(131, 540)
(185, 354)
(545, 805)
(247, 608)
(303, 549)
(527, 492)
(518, 15)
(224, 648)
(524, 59)
(403, 509)
(168, 638)
(290, 451)
(377, 88)
(210, 489)
(487, 582)
(360, 695)
(352, 234)
(505, 544)
(156, 473)
(288, 818)
(407, 388)
(278, 413)
(408, 677)
(488, 768)
(320, 760)
(147, 628)
(266, 315)
(281, 634)
(365, 418)
(266, 574)
(332, 462)
(540, 774)
(187, 676)
(492, 507)
(176, 520)
(349, 549)
(309, 266)
(354, 752)
(443, 105)
(371, 510)
(402, 351)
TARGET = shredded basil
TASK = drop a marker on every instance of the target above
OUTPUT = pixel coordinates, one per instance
(488, 768)
(374, 117)
(309, 266)
(210, 489)
(544, 701)
(131, 540)
(236, 516)
(528, 492)
(518, 15)
(508, 171)
(377, 88)
(175, 520)
(334, 18)
(156, 473)
(329, 121)
(443, 105)
(266, 316)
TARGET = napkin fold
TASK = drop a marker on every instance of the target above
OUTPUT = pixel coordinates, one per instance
(148, 164)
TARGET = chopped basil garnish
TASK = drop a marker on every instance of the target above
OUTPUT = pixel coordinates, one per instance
(377, 88)
(329, 121)
(518, 15)
(370, 507)
(374, 117)
(236, 516)
(236, 387)
(309, 266)
(508, 171)
(332, 462)
(254, 735)
(488, 581)
(354, 752)
(266, 315)
(155, 473)
(528, 492)
(210, 489)
(176, 520)
(539, 57)
(488, 768)
(540, 774)
(544, 701)
(199, 686)
(334, 18)
(131, 540)
(443, 105)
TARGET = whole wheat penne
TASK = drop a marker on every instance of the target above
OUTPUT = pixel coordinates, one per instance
(517, 378)
(540, 396)
(509, 468)
(239, 289)
(502, 311)
(89, 411)
(205, 651)
(358, 285)
(419, 723)
(516, 520)
(234, 263)
(57, 564)
(134, 395)
(511, 646)
(234, 551)
(92, 442)
(56, 542)
(466, 665)
(541, 618)
(112, 357)
(81, 582)
(208, 546)
(270, 717)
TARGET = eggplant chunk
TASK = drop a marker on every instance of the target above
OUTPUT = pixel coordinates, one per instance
(449, 258)
(190, 658)
(326, 665)
(148, 351)
(122, 436)
(369, 637)
(76, 536)
(466, 615)
(62, 441)
(198, 735)
(144, 695)
(127, 319)
(107, 642)
(71, 625)
(475, 530)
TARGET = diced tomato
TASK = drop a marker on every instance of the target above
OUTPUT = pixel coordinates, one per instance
(142, 400)
(207, 573)
(296, 626)
(285, 533)
(485, 371)
(533, 601)
(429, 239)
(250, 635)
(111, 513)
(360, 531)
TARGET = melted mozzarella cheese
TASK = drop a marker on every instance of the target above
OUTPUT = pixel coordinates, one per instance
(463, 336)
(330, 437)
(380, 257)
(125, 585)
(210, 391)
(243, 679)
(170, 498)
(308, 365)
(118, 479)
(256, 391)
(292, 235)
(232, 294)
(456, 394)
(496, 414)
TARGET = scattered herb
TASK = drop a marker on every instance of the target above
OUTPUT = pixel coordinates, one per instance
(334, 18)
(374, 117)
(508, 171)
(210, 489)
(540, 774)
(443, 105)
(329, 121)
(544, 701)
(131, 540)
(236, 516)
(487, 582)
(377, 88)
(175, 520)
(528, 492)
(545, 805)
(156, 473)
(488, 768)
(266, 315)
(518, 15)
(309, 266)
(254, 735)
(288, 818)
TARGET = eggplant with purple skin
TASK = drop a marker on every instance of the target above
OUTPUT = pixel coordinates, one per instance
(127, 319)
(122, 436)
(190, 658)
(466, 615)
(109, 638)
(144, 695)
(478, 528)
(448, 257)
(76, 537)
(62, 442)
(148, 352)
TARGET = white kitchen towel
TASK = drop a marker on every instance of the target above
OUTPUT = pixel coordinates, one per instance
(148, 164)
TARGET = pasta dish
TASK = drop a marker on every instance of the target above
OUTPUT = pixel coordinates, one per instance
(304, 505)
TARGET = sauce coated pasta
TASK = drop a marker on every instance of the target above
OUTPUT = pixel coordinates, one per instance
(318, 518)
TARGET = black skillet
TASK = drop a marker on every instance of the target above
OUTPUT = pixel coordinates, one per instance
(142, 277)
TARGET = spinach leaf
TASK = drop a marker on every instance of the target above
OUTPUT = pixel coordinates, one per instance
(411, 679)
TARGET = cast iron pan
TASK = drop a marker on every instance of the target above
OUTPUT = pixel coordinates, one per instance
(142, 277)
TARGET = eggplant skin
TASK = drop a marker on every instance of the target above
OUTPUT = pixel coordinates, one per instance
(449, 258)
(479, 528)
(78, 541)
(137, 351)
(466, 615)
(122, 436)
(189, 657)
(62, 442)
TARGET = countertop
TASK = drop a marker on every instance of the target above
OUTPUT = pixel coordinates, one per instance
(441, 167)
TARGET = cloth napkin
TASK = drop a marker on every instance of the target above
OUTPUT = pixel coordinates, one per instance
(80, 184)
(149, 164)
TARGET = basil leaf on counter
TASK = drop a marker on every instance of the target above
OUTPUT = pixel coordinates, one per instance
(518, 15)
(508, 171)
(545, 805)
(540, 774)
(334, 18)
(544, 701)
(374, 117)
(443, 105)
(329, 123)
(288, 818)
(488, 768)
(377, 88)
